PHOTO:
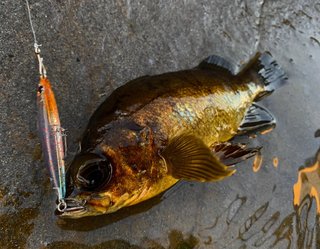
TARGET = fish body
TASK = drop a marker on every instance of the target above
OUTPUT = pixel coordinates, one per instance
(156, 130)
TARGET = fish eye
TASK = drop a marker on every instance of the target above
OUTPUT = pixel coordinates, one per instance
(94, 174)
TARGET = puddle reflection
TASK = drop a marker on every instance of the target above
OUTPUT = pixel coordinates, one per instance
(265, 228)
(176, 241)
(308, 183)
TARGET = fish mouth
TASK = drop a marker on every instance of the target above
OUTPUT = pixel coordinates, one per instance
(71, 208)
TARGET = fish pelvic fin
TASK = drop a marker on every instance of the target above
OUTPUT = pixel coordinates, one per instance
(187, 157)
(262, 68)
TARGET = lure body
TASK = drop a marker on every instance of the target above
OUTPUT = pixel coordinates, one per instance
(52, 135)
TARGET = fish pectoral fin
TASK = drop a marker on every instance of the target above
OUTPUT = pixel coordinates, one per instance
(230, 154)
(187, 157)
(257, 119)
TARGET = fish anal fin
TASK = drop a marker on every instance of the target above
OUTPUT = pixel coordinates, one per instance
(257, 119)
(187, 157)
(232, 153)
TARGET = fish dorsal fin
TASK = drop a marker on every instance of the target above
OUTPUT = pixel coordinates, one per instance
(187, 157)
(257, 118)
(232, 153)
(215, 61)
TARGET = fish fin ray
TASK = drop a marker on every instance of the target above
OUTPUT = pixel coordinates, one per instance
(264, 69)
(215, 61)
(187, 157)
(232, 153)
(257, 119)
(270, 72)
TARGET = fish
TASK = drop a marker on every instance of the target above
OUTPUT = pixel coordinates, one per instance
(156, 130)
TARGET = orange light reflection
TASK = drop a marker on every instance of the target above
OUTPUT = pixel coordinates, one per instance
(308, 184)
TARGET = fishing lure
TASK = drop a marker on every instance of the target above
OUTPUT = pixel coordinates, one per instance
(53, 137)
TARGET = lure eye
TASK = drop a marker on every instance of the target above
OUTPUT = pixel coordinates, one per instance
(40, 89)
(94, 174)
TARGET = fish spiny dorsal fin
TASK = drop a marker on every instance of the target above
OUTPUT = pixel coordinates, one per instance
(217, 62)
(187, 157)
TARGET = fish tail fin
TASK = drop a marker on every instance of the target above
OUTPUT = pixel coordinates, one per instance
(267, 71)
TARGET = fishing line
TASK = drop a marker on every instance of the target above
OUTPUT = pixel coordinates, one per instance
(42, 69)
(31, 24)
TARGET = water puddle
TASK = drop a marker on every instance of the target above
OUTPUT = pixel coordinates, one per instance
(176, 241)
(275, 162)
(257, 162)
(265, 228)
(16, 227)
(16, 222)
(308, 184)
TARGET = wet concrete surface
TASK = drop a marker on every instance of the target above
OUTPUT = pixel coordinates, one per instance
(93, 47)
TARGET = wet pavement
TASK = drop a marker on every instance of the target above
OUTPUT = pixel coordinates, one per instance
(91, 48)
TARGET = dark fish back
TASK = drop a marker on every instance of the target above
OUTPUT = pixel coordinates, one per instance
(135, 94)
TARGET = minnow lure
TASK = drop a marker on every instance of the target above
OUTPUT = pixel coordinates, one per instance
(53, 137)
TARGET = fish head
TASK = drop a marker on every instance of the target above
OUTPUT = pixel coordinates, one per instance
(109, 178)
(87, 177)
